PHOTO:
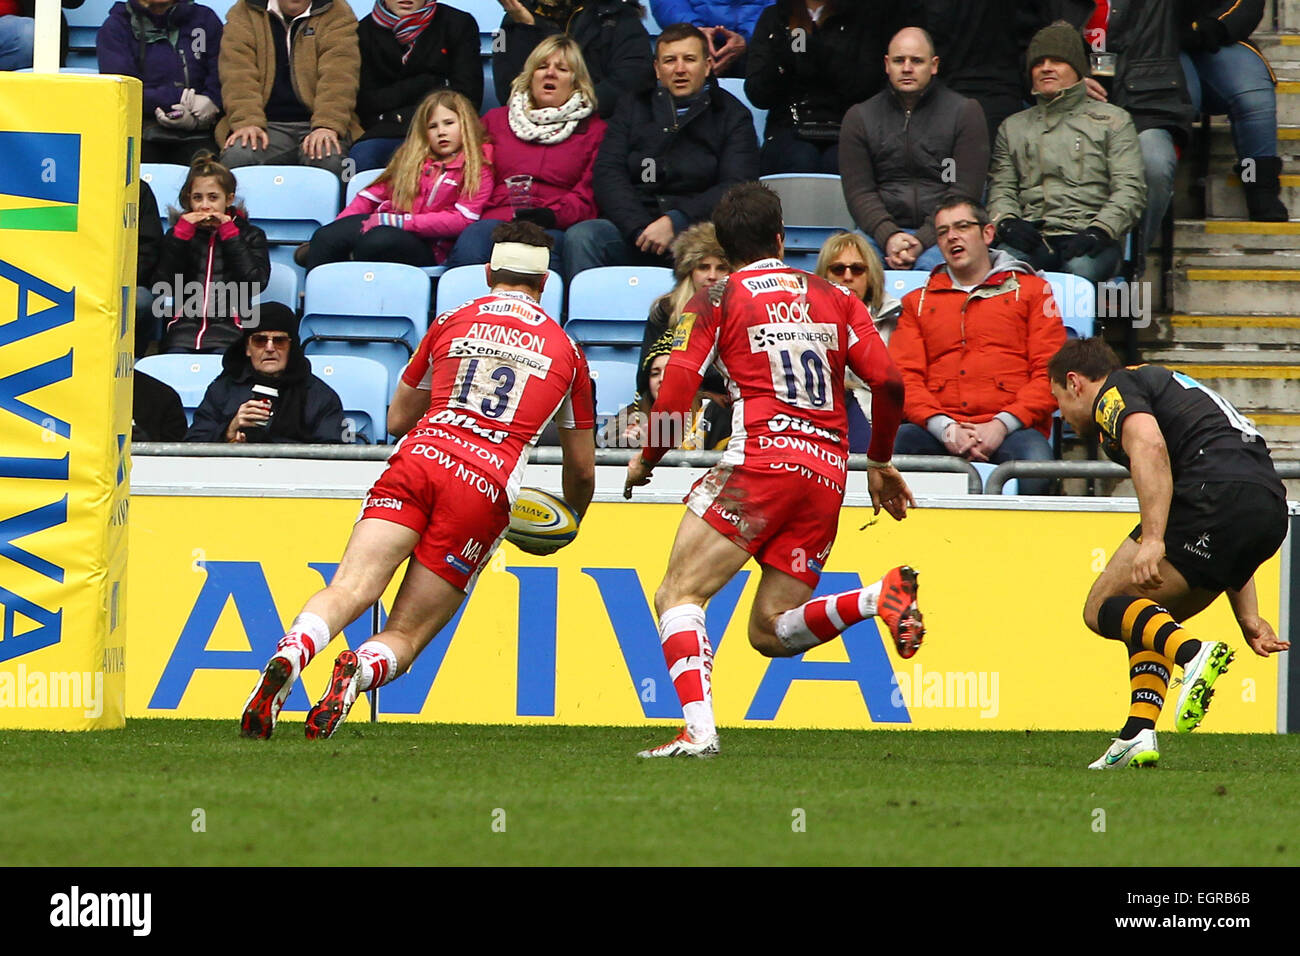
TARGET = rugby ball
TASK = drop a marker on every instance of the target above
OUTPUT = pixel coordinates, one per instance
(540, 522)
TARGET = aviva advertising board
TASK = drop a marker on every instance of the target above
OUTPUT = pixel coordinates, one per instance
(571, 639)
(68, 195)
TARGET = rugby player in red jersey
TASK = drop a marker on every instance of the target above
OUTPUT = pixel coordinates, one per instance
(476, 395)
(782, 338)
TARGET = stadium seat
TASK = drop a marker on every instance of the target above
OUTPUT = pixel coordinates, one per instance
(166, 180)
(190, 375)
(459, 285)
(288, 202)
(378, 310)
(899, 282)
(613, 369)
(1076, 297)
(362, 386)
(609, 305)
(283, 287)
(358, 182)
(813, 206)
(84, 23)
(736, 87)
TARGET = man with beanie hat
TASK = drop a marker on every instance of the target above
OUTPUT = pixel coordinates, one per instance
(290, 405)
(1067, 180)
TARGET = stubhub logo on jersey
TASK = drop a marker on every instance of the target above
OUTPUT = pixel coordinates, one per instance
(623, 596)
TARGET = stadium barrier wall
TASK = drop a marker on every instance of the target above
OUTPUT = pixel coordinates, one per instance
(571, 639)
(68, 194)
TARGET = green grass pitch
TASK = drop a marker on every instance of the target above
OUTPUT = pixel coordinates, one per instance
(438, 794)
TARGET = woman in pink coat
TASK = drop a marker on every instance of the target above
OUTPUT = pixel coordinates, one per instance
(437, 183)
(545, 142)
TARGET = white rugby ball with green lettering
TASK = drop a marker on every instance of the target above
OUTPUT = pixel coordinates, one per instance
(540, 522)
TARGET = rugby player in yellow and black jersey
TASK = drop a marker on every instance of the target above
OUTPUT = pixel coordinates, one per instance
(1212, 511)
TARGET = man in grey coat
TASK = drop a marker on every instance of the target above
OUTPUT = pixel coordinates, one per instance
(906, 150)
(1067, 180)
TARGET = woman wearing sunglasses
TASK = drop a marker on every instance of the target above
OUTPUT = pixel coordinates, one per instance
(266, 391)
(847, 259)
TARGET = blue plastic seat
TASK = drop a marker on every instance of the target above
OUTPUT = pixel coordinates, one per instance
(985, 469)
(377, 310)
(457, 286)
(362, 386)
(814, 208)
(189, 375)
(289, 203)
(84, 23)
(609, 305)
(1076, 297)
(166, 180)
(735, 85)
(899, 282)
(283, 287)
(358, 182)
(613, 369)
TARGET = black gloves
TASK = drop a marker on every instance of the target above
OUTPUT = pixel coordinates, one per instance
(1093, 241)
(1022, 235)
(538, 214)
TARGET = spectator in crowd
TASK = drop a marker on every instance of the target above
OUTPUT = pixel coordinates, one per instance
(614, 43)
(289, 83)
(290, 403)
(409, 48)
(805, 68)
(18, 32)
(545, 141)
(149, 237)
(668, 156)
(706, 427)
(906, 150)
(171, 47)
(726, 24)
(436, 184)
(1136, 48)
(1226, 74)
(973, 346)
(698, 262)
(1067, 179)
(981, 44)
(213, 263)
(157, 413)
(847, 259)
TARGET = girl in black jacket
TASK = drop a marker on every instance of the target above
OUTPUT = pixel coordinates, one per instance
(212, 264)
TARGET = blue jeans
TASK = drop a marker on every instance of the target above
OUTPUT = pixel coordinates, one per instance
(1234, 80)
(1159, 163)
(927, 260)
(1095, 269)
(597, 242)
(475, 246)
(374, 153)
(1027, 444)
(17, 39)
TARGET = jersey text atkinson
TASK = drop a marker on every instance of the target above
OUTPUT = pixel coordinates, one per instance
(504, 335)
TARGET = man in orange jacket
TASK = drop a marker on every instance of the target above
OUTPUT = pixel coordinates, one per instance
(973, 346)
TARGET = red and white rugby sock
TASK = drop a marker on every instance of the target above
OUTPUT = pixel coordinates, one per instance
(690, 664)
(307, 637)
(825, 618)
(378, 665)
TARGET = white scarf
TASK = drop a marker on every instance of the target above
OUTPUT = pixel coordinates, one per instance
(548, 125)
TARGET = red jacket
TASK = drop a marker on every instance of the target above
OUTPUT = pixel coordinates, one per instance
(561, 172)
(440, 213)
(971, 355)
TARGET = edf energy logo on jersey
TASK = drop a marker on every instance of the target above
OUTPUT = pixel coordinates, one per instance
(39, 181)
